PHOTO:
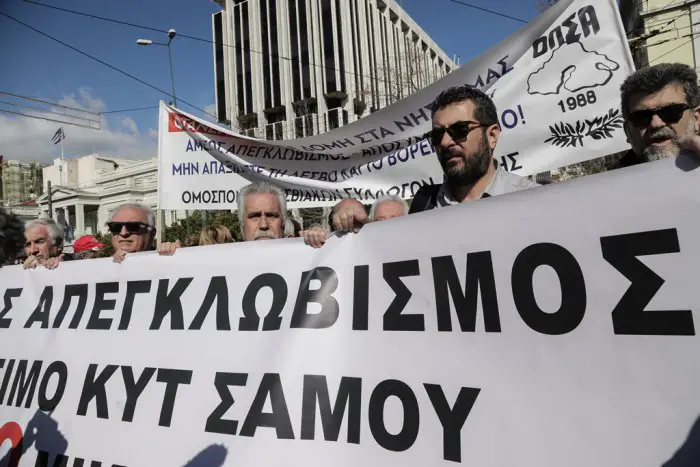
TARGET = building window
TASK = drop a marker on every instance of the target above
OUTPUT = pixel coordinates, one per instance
(240, 70)
(265, 53)
(361, 86)
(341, 54)
(246, 54)
(328, 49)
(294, 36)
(220, 69)
(275, 58)
(305, 56)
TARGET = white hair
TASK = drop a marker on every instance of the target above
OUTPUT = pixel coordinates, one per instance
(396, 198)
(262, 187)
(150, 215)
(55, 231)
(288, 228)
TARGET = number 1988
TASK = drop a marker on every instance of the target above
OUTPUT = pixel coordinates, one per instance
(579, 100)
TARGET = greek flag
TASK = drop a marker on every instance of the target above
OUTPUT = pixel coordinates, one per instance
(58, 136)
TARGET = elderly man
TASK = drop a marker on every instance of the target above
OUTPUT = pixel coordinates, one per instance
(660, 107)
(262, 211)
(383, 209)
(133, 229)
(11, 237)
(388, 207)
(43, 244)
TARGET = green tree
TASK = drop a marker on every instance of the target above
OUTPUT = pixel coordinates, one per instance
(178, 231)
(108, 250)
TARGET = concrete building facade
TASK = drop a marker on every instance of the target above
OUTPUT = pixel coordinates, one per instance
(292, 68)
(19, 181)
(94, 186)
(662, 31)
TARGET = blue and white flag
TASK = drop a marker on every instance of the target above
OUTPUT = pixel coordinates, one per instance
(58, 136)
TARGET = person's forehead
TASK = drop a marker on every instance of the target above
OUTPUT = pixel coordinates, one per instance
(459, 111)
(261, 202)
(36, 231)
(671, 94)
(129, 215)
(390, 204)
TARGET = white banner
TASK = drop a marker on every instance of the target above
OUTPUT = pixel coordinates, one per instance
(555, 84)
(560, 331)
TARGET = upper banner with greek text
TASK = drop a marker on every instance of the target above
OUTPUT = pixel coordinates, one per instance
(555, 83)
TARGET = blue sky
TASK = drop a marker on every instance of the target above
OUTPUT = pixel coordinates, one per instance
(33, 65)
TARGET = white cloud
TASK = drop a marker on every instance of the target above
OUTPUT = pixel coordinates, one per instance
(130, 124)
(84, 101)
(152, 133)
(29, 139)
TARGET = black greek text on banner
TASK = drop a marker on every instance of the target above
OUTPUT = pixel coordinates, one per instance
(551, 327)
(555, 83)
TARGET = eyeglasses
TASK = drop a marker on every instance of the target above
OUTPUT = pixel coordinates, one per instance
(671, 113)
(458, 131)
(133, 228)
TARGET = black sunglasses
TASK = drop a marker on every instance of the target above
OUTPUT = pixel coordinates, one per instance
(133, 228)
(458, 131)
(671, 113)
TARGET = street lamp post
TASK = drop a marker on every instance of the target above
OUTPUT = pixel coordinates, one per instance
(144, 42)
(171, 36)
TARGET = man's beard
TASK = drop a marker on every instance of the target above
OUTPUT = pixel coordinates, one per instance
(473, 167)
(672, 149)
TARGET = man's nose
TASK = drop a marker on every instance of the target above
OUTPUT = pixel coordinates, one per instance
(123, 232)
(446, 140)
(263, 225)
(656, 122)
(33, 249)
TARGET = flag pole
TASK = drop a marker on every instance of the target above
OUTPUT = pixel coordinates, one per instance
(62, 162)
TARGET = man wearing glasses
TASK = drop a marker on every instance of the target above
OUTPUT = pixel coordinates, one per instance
(133, 228)
(464, 135)
(660, 106)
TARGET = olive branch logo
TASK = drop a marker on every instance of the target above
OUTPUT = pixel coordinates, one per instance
(566, 134)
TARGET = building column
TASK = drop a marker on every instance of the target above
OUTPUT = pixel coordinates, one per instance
(66, 221)
(79, 219)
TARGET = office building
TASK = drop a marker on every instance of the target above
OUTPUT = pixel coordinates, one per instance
(19, 181)
(292, 68)
(662, 31)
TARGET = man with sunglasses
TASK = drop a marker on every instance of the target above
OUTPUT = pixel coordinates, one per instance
(133, 229)
(464, 135)
(660, 106)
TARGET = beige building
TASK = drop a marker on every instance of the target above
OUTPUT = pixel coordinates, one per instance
(94, 186)
(662, 31)
(19, 181)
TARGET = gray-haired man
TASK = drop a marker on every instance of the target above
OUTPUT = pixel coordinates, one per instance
(43, 244)
(384, 208)
(262, 211)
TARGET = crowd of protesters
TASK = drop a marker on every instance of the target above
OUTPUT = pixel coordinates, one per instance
(659, 105)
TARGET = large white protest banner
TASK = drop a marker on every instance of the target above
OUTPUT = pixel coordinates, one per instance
(555, 83)
(547, 328)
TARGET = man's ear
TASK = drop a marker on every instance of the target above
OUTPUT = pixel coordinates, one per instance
(696, 116)
(492, 134)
